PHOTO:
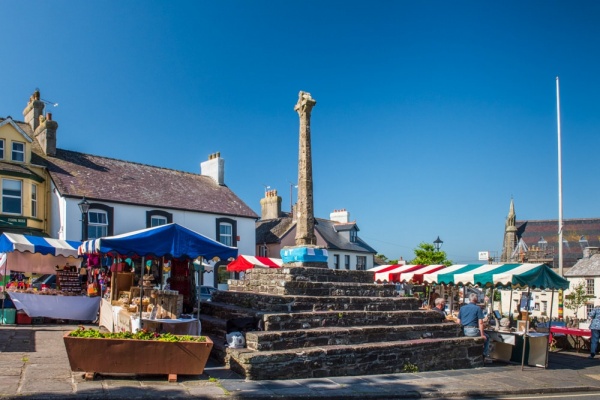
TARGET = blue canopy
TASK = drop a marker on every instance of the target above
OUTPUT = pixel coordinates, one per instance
(171, 240)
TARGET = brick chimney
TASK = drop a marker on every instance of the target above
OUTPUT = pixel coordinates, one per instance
(341, 216)
(214, 167)
(45, 134)
(270, 206)
(34, 110)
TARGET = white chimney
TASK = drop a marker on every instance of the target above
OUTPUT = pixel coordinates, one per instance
(214, 167)
(341, 216)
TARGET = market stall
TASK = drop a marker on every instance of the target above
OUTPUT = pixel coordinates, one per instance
(33, 254)
(532, 276)
(244, 262)
(136, 303)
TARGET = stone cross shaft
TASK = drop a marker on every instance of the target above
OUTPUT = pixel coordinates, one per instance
(305, 226)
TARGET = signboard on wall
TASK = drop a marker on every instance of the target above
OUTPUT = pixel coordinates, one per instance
(484, 255)
(13, 222)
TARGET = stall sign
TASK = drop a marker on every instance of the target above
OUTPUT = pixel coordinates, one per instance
(13, 221)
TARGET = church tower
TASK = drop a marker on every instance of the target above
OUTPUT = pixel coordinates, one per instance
(510, 234)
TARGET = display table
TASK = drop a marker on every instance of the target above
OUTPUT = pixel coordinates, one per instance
(508, 346)
(190, 326)
(117, 319)
(579, 337)
(78, 308)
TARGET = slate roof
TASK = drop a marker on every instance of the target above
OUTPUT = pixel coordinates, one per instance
(272, 230)
(586, 267)
(573, 229)
(107, 179)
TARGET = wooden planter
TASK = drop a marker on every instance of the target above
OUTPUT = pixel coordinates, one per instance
(99, 355)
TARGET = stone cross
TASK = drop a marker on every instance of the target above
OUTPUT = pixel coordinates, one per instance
(305, 226)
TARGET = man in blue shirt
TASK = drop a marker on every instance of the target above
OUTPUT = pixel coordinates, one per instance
(594, 317)
(470, 316)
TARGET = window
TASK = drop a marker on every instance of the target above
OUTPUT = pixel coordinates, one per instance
(336, 261)
(361, 263)
(227, 231)
(157, 220)
(97, 224)
(33, 200)
(589, 284)
(347, 262)
(353, 235)
(18, 151)
(544, 307)
(588, 309)
(11, 196)
(226, 234)
(1, 149)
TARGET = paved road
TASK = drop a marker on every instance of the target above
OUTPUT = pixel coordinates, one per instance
(34, 365)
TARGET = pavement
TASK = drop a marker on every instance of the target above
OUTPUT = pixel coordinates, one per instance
(34, 365)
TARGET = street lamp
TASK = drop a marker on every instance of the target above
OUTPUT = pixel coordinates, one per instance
(542, 243)
(84, 207)
(437, 243)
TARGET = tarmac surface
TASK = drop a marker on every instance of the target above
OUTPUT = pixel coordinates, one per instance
(34, 365)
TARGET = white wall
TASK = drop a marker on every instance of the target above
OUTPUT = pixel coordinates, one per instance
(128, 218)
(342, 264)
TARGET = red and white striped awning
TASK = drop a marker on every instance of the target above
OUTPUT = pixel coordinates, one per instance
(242, 263)
(406, 273)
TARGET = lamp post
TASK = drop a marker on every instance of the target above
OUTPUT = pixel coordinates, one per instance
(84, 207)
(437, 243)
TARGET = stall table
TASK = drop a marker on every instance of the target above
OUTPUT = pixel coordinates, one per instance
(579, 337)
(78, 308)
(508, 346)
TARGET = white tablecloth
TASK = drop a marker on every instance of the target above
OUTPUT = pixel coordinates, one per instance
(79, 308)
(178, 326)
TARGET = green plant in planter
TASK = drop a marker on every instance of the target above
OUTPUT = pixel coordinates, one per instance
(142, 334)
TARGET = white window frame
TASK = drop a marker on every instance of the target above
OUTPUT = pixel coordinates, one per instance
(10, 196)
(589, 287)
(34, 200)
(97, 225)
(157, 220)
(1, 149)
(353, 235)
(18, 152)
(361, 263)
(225, 237)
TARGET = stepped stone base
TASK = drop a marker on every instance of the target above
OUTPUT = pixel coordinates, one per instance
(318, 322)
(362, 359)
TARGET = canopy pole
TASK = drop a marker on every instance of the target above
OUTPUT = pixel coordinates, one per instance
(4, 291)
(549, 328)
(526, 327)
(141, 287)
(198, 287)
(510, 304)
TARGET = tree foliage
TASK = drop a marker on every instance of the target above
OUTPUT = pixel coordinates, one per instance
(578, 298)
(425, 254)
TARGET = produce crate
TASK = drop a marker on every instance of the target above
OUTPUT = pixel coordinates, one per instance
(23, 319)
(7, 316)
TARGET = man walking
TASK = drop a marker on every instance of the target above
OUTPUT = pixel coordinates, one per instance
(470, 317)
(594, 317)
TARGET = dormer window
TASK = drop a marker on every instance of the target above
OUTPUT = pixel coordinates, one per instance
(353, 235)
(18, 151)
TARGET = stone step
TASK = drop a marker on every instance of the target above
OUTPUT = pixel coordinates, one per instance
(309, 288)
(359, 359)
(295, 303)
(287, 273)
(322, 319)
(301, 338)
(225, 310)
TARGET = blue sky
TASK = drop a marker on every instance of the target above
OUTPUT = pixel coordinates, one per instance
(430, 115)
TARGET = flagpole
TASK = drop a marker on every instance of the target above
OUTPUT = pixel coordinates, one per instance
(560, 205)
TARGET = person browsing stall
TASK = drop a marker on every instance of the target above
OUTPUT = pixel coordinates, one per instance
(440, 305)
(470, 316)
(594, 318)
